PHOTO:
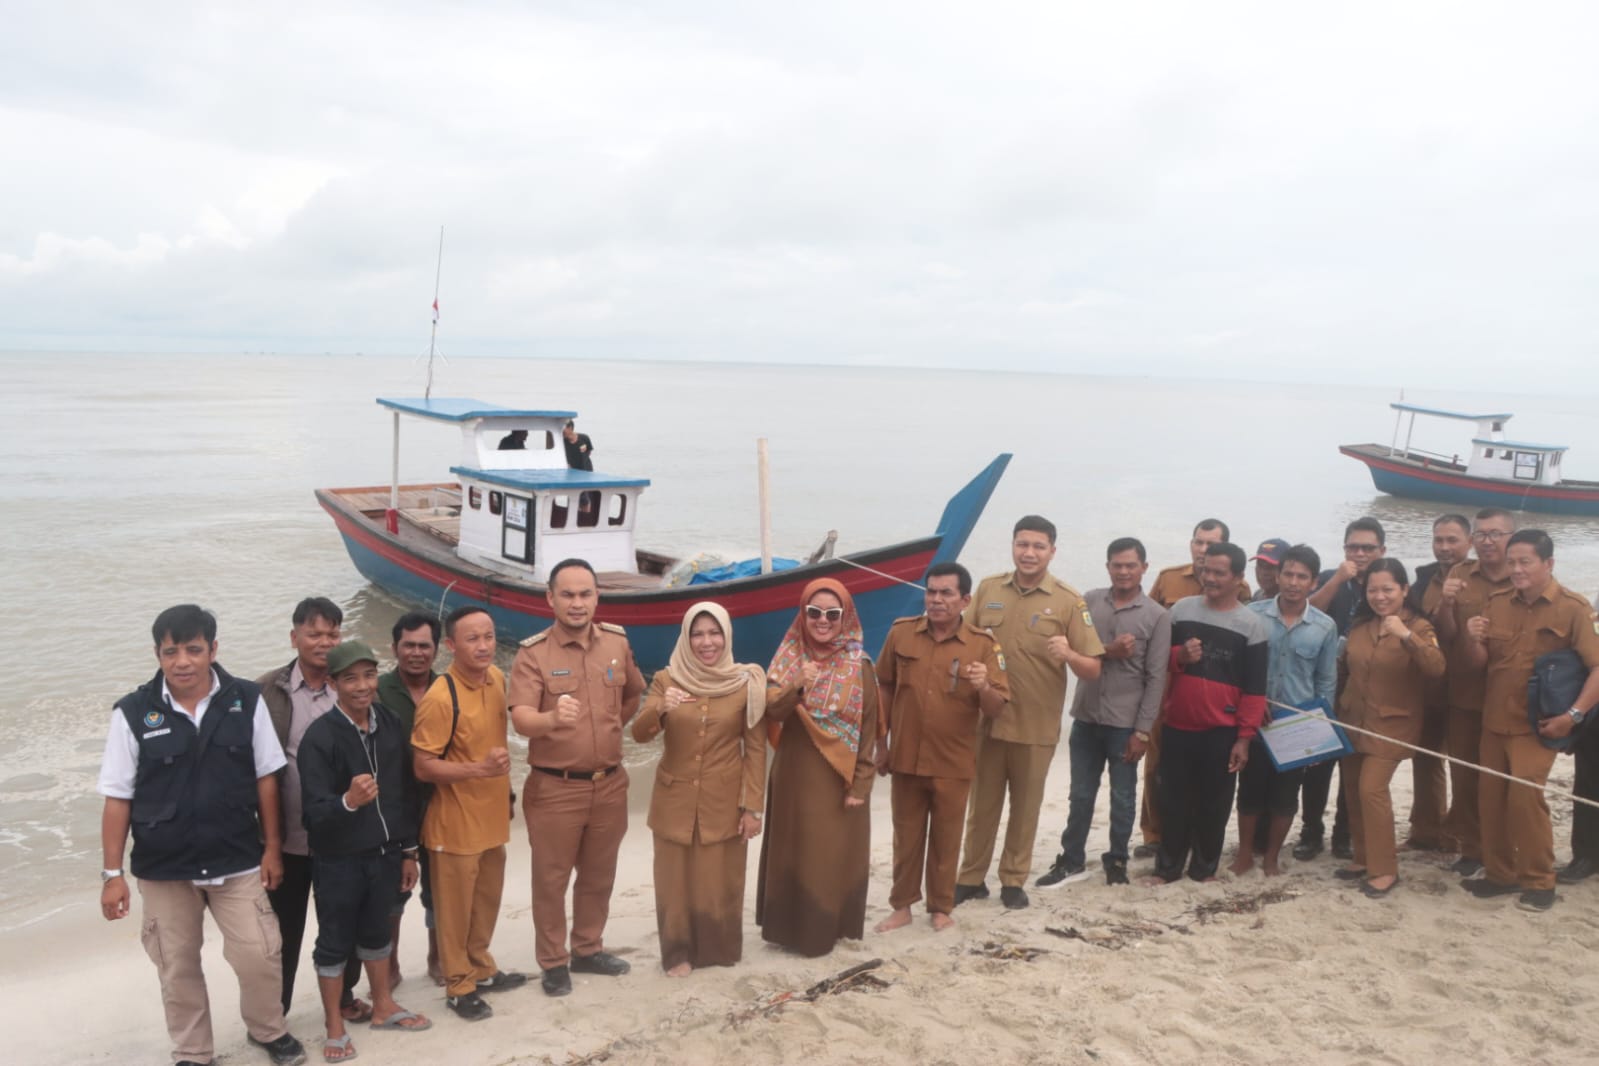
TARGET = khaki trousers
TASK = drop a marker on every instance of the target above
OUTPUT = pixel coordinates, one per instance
(172, 932)
(928, 812)
(1149, 802)
(1366, 780)
(1429, 807)
(1518, 840)
(1463, 740)
(466, 893)
(573, 825)
(1004, 767)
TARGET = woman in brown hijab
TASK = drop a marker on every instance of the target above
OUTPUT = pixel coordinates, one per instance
(708, 788)
(1389, 657)
(821, 706)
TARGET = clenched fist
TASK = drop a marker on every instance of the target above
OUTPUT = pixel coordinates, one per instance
(363, 790)
(566, 709)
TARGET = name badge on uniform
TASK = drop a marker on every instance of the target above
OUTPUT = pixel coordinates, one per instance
(236, 707)
(560, 673)
(157, 733)
(993, 606)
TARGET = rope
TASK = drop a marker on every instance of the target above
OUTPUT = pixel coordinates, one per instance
(1296, 712)
(879, 573)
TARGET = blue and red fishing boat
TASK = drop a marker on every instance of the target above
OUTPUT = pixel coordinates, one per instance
(1493, 472)
(513, 509)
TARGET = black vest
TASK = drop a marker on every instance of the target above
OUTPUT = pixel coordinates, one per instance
(194, 793)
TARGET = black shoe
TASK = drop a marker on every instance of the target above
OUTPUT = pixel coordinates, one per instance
(471, 1007)
(1373, 892)
(188, 1062)
(1578, 869)
(966, 892)
(1345, 873)
(1536, 900)
(284, 1051)
(1306, 850)
(1116, 872)
(557, 981)
(1061, 874)
(501, 981)
(601, 962)
(1483, 888)
(1467, 868)
(1342, 849)
(1014, 897)
(1146, 851)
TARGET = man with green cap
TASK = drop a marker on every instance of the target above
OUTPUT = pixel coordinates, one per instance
(354, 780)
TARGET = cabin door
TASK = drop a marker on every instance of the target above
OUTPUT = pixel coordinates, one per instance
(516, 529)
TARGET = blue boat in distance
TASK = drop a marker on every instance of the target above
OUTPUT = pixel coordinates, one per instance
(1493, 472)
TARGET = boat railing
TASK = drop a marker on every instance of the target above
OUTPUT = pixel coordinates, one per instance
(1428, 458)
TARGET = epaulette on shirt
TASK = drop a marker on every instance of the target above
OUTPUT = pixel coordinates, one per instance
(1173, 569)
(612, 627)
(536, 637)
(907, 618)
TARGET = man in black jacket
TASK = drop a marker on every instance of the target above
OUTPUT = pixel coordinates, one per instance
(353, 790)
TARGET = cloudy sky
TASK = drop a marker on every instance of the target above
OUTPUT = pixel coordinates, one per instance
(1389, 192)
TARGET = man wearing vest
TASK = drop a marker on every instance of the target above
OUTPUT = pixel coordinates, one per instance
(191, 767)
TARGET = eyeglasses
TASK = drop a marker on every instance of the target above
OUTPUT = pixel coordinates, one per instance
(816, 614)
(1488, 534)
(1362, 548)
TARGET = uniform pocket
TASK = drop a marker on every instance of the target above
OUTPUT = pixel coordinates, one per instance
(271, 934)
(150, 936)
(1390, 712)
(990, 617)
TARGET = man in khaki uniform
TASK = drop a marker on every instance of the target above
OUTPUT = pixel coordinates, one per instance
(1172, 584)
(1464, 595)
(938, 675)
(1538, 617)
(573, 687)
(1043, 628)
(1429, 806)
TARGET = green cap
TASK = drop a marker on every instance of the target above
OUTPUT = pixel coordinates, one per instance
(347, 655)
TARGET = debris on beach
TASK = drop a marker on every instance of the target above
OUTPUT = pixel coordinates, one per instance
(855, 979)
(993, 949)
(1242, 903)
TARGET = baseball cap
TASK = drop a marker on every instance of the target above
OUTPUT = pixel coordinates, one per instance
(347, 655)
(1270, 551)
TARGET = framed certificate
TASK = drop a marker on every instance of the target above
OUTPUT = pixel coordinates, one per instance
(1304, 736)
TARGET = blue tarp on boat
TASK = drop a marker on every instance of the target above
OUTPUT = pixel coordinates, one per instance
(745, 568)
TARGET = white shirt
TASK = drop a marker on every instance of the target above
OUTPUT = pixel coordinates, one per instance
(120, 764)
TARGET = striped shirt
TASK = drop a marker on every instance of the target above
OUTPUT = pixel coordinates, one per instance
(1227, 687)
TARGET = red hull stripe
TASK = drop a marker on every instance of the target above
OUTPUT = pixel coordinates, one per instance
(1547, 492)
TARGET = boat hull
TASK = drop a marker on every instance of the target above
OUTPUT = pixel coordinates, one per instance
(882, 581)
(1398, 475)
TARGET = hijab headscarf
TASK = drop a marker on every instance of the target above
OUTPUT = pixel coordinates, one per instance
(834, 704)
(723, 677)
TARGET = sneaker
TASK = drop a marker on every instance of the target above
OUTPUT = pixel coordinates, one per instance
(284, 1051)
(1536, 900)
(556, 981)
(601, 962)
(1578, 869)
(1115, 872)
(1062, 874)
(1014, 897)
(966, 892)
(1483, 888)
(1468, 868)
(1146, 851)
(470, 1007)
(502, 981)
(1306, 850)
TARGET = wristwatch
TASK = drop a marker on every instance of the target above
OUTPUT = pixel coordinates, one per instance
(1576, 716)
(109, 875)
(1142, 738)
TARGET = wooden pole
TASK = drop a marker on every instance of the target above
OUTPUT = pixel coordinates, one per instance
(764, 474)
(392, 519)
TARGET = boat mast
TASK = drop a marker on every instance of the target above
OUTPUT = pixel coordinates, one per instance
(438, 272)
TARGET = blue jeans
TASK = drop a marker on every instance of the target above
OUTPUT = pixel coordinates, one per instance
(1092, 747)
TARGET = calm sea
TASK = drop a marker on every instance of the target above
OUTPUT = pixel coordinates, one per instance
(133, 482)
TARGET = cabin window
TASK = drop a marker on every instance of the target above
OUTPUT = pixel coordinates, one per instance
(559, 510)
(618, 509)
(588, 509)
(1554, 460)
(549, 439)
(1527, 465)
(1499, 427)
(474, 497)
(496, 502)
(1487, 453)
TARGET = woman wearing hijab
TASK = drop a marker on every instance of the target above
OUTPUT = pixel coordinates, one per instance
(708, 788)
(821, 709)
(1391, 653)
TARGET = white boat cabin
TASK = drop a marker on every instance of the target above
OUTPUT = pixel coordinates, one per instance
(1491, 455)
(522, 509)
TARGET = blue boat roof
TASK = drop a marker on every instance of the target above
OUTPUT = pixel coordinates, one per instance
(462, 409)
(1439, 413)
(550, 480)
(1525, 446)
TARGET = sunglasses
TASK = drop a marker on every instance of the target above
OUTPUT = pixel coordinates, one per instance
(816, 614)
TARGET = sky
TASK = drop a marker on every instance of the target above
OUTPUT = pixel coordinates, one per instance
(1380, 193)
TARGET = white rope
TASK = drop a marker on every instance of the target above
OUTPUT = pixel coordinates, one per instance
(1573, 797)
(879, 573)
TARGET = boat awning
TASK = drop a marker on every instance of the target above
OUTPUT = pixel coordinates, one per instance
(1439, 413)
(1520, 445)
(555, 480)
(462, 409)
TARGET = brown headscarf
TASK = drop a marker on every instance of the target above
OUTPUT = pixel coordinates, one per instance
(723, 677)
(834, 704)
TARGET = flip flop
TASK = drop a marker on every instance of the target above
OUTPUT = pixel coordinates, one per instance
(397, 1020)
(346, 1051)
(357, 1010)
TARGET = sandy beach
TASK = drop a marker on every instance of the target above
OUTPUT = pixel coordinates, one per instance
(1300, 968)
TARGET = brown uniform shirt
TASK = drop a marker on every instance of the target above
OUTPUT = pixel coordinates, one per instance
(597, 667)
(1520, 632)
(1022, 622)
(1178, 582)
(1466, 679)
(1386, 690)
(932, 723)
(471, 816)
(713, 766)
(1437, 688)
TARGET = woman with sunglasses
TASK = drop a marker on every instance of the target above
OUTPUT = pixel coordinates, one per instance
(708, 788)
(1391, 654)
(821, 709)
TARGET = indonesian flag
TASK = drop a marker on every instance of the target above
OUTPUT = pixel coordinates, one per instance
(435, 312)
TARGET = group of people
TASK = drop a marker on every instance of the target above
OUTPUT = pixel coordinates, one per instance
(326, 774)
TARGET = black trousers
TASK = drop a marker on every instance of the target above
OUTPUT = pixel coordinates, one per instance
(1313, 805)
(290, 901)
(1585, 820)
(1196, 798)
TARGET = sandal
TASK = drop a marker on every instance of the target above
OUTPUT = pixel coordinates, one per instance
(357, 1010)
(338, 1049)
(398, 1019)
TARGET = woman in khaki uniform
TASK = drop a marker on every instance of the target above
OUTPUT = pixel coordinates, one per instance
(708, 790)
(1391, 654)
